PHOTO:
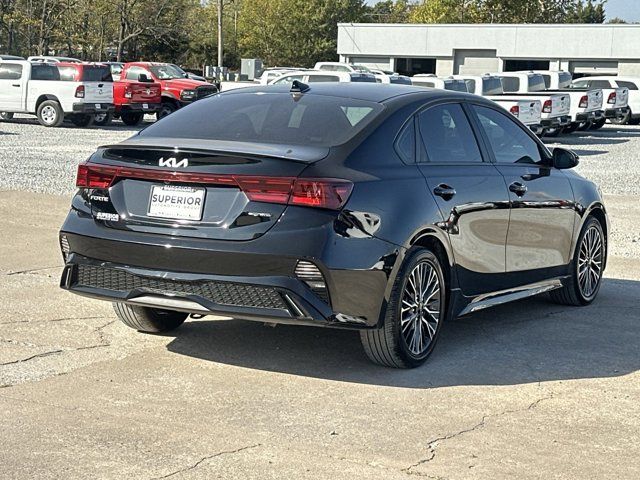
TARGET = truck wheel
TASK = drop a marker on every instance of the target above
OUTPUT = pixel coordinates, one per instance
(166, 109)
(622, 120)
(598, 125)
(552, 132)
(102, 119)
(50, 114)
(413, 316)
(149, 320)
(634, 121)
(584, 126)
(131, 119)
(572, 127)
(81, 119)
(6, 116)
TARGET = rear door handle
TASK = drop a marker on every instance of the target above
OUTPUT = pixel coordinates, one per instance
(15, 84)
(518, 188)
(445, 191)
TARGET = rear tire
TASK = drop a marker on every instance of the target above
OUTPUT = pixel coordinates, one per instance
(81, 120)
(622, 120)
(575, 291)
(572, 127)
(102, 119)
(131, 119)
(149, 320)
(598, 125)
(634, 121)
(584, 126)
(50, 114)
(411, 322)
(6, 116)
(553, 132)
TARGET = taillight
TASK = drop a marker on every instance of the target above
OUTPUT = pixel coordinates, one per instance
(547, 107)
(612, 98)
(515, 110)
(80, 91)
(584, 102)
(128, 93)
(327, 193)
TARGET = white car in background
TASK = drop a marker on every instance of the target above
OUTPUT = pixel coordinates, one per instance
(431, 81)
(51, 59)
(390, 77)
(269, 74)
(310, 76)
(620, 94)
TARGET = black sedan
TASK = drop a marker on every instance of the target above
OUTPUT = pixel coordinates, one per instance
(384, 208)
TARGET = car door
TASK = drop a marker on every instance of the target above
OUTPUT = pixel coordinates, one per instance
(470, 193)
(12, 87)
(542, 203)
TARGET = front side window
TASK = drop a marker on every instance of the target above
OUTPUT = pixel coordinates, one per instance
(447, 136)
(10, 71)
(133, 73)
(508, 141)
(167, 72)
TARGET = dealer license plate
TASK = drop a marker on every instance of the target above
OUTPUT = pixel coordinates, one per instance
(176, 202)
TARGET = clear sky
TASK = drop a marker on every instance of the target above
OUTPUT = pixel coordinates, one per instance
(628, 10)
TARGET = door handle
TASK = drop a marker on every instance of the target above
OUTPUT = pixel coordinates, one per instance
(445, 191)
(518, 188)
(15, 85)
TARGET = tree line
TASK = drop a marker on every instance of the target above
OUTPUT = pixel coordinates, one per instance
(281, 32)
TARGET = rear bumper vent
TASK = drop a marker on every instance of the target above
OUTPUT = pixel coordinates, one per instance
(310, 274)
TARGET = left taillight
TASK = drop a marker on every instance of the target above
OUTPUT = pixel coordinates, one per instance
(94, 177)
(515, 111)
(80, 91)
(547, 107)
(612, 98)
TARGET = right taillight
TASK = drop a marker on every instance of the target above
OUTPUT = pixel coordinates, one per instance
(321, 193)
(515, 110)
(584, 102)
(80, 91)
(612, 98)
(128, 93)
(547, 107)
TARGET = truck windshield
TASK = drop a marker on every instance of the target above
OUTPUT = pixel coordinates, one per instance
(96, 73)
(491, 86)
(167, 72)
(274, 118)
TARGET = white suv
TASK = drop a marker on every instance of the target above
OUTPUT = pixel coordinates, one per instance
(322, 76)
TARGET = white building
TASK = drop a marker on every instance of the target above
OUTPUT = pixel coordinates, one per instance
(480, 48)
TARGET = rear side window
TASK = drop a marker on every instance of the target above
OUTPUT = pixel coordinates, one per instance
(509, 142)
(276, 118)
(43, 71)
(323, 78)
(96, 73)
(510, 84)
(10, 71)
(491, 86)
(447, 136)
(629, 85)
(68, 74)
(547, 81)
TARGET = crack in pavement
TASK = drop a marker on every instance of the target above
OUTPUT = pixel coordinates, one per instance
(433, 444)
(63, 319)
(28, 271)
(208, 457)
(38, 355)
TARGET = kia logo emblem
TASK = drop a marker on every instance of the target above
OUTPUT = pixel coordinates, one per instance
(173, 162)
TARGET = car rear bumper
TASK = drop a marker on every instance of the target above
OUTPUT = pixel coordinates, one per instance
(138, 107)
(93, 107)
(226, 277)
(616, 112)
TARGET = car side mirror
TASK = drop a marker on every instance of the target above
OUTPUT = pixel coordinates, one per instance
(143, 78)
(564, 159)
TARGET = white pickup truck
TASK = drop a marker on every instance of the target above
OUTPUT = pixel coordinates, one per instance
(541, 114)
(615, 98)
(554, 80)
(443, 83)
(36, 88)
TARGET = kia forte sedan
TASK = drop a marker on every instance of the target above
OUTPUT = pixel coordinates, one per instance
(389, 209)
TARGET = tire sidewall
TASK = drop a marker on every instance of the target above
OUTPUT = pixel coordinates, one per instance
(415, 256)
(58, 110)
(575, 282)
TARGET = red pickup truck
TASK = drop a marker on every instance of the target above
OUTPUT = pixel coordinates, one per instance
(131, 99)
(177, 89)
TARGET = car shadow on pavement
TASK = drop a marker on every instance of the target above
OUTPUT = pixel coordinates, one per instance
(584, 140)
(523, 342)
(68, 124)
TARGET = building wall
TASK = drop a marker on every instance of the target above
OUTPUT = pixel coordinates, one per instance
(563, 45)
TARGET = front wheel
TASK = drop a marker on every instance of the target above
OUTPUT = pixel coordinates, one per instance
(50, 114)
(131, 119)
(149, 320)
(166, 109)
(6, 116)
(413, 316)
(586, 268)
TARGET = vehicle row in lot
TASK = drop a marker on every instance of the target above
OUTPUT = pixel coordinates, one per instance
(383, 208)
(84, 93)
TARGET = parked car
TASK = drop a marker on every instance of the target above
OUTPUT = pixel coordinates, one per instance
(36, 88)
(555, 108)
(585, 106)
(431, 81)
(554, 80)
(617, 94)
(133, 99)
(340, 67)
(269, 74)
(177, 91)
(382, 208)
(310, 76)
(390, 77)
(631, 83)
(51, 59)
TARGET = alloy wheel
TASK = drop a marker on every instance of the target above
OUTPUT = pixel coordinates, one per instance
(420, 309)
(590, 262)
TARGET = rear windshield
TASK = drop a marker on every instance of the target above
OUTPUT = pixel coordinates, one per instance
(96, 73)
(275, 118)
(400, 80)
(456, 86)
(67, 73)
(491, 86)
(356, 77)
(564, 79)
(536, 83)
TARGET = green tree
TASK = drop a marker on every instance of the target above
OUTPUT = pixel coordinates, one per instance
(445, 11)
(389, 11)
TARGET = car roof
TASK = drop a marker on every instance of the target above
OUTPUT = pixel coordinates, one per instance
(372, 92)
